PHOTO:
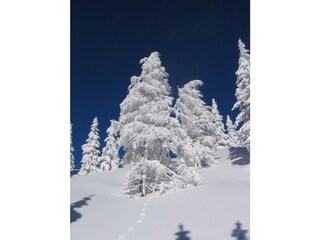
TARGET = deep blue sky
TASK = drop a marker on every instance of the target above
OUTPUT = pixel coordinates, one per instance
(197, 39)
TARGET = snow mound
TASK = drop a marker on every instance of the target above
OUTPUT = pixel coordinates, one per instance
(218, 209)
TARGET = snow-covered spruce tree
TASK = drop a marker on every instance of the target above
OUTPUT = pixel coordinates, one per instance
(110, 153)
(243, 96)
(90, 150)
(147, 134)
(197, 120)
(232, 133)
(71, 150)
(218, 121)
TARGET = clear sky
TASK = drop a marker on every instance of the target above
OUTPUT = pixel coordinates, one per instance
(197, 39)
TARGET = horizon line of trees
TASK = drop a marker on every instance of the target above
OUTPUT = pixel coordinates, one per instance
(164, 143)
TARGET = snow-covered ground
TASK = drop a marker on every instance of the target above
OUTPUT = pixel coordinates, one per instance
(100, 210)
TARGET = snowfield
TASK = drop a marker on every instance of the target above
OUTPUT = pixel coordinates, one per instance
(101, 211)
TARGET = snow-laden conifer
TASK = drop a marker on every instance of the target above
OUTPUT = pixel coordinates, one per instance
(232, 133)
(147, 133)
(197, 120)
(218, 121)
(71, 149)
(243, 96)
(90, 150)
(110, 153)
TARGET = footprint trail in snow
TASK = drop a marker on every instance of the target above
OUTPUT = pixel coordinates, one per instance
(138, 221)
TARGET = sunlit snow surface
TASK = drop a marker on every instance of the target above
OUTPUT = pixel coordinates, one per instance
(100, 210)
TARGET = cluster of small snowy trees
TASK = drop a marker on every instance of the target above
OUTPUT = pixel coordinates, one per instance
(91, 161)
(165, 141)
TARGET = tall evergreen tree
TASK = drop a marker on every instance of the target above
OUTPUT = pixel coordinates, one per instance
(147, 133)
(110, 153)
(218, 121)
(197, 120)
(232, 133)
(71, 149)
(243, 96)
(90, 150)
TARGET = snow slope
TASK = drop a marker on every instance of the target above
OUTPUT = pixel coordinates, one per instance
(100, 210)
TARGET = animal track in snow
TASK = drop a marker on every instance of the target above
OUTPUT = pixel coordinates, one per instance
(130, 229)
(139, 220)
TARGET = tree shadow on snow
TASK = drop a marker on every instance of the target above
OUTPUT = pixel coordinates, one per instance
(74, 172)
(239, 156)
(239, 233)
(182, 234)
(74, 215)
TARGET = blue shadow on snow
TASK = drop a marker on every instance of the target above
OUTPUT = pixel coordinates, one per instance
(74, 215)
(239, 156)
(74, 172)
(239, 233)
(182, 234)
